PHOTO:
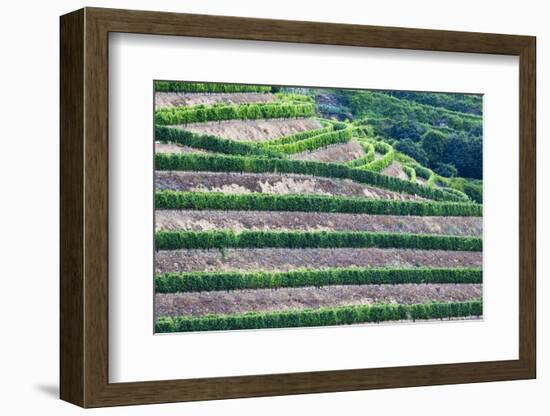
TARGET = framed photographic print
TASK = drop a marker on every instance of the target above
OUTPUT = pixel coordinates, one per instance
(257, 207)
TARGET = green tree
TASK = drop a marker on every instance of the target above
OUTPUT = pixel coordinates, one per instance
(434, 143)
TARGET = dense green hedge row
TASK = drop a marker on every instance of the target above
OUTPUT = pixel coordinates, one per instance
(211, 281)
(207, 87)
(285, 96)
(174, 240)
(291, 138)
(386, 160)
(211, 143)
(218, 112)
(422, 172)
(225, 163)
(464, 103)
(310, 203)
(411, 173)
(315, 142)
(368, 157)
(342, 315)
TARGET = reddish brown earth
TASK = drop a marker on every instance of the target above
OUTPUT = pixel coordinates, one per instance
(178, 99)
(232, 182)
(315, 258)
(336, 153)
(314, 221)
(253, 130)
(265, 300)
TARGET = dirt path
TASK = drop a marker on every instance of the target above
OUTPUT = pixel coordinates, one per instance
(238, 301)
(177, 99)
(336, 153)
(232, 182)
(176, 148)
(253, 130)
(315, 221)
(319, 258)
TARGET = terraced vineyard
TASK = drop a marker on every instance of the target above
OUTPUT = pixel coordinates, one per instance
(269, 215)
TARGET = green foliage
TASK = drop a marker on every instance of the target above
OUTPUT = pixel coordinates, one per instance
(207, 87)
(434, 144)
(412, 149)
(296, 137)
(411, 173)
(310, 203)
(379, 164)
(211, 143)
(464, 103)
(225, 163)
(466, 154)
(215, 281)
(341, 315)
(174, 240)
(368, 157)
(471, 187)
(315, 142)
(445, 169)
(218, 112)
(376, 105)
(407, 120)
(423, 172)
(294, 97)
(333, 110)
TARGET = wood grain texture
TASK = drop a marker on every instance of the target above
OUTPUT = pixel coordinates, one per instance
(71, 185)
(84, 207)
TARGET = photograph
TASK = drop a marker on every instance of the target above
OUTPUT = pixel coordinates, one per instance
(297, 206)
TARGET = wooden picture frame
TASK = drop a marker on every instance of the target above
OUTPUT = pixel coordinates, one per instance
(84, 207)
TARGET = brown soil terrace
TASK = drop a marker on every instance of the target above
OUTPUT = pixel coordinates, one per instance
(253, 130)
(285, 259)
(233, 182)
(176, 148)
(395, 170)
(314, 221)
(179, 99)
(265, 300)
(335, 153)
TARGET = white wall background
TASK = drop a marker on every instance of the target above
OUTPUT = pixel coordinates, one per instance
(29, 210)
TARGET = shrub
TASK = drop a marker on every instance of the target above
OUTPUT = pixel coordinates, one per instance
(315, 142)
(412, 149)
(213, 281)
(411, 173)
(174, 240)
(310, 203)
(434, 143)
(211, 143)
(445, 169)
(341, 315)
(225, 163)
(218, 112)
(367, 158)
(291, 138)
(384, 161)
(207, 87)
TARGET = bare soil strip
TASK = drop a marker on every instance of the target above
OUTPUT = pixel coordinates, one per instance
(179, 99)
(395, 170)
(284, 259)
(253, 130)
(336, 153)
(176, 148)
(314, 221)
(233, 182)
(265, 300)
